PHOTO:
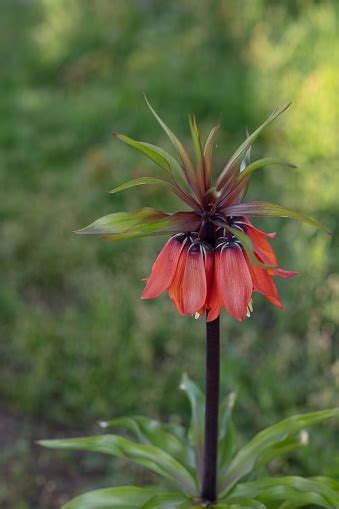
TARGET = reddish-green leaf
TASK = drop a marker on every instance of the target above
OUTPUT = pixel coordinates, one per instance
(200, 169)
(156, 154)
(232, 197)
(141, 182)
(267, 209)
(262, 163)
(173, 188)
(187, 163)
(208, 151)
(141, 223)
(234, 161)
(196, 139)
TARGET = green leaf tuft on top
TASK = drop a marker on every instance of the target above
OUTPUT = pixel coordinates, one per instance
(193, 185)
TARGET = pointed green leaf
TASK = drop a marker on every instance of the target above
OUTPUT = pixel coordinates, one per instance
(208, 150)
(152, 432)
(158, 155)
(146, 220)
(233, 194)
(174, 188)
(141, 223)
(291, 489)
(239, 153)
(196, 430)
(328, 481)
(243, 165)
(196, 139)
(148, 456)
(243, 503)
(247, 456)
(126, 497)
(141, 182)
(290, 444)
(166, 501)
(200, 166)
(247, 157)
(262, 163)
(187, 163)
(226, 440)
(267, 209)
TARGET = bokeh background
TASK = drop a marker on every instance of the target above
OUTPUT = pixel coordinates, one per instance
(77, 344)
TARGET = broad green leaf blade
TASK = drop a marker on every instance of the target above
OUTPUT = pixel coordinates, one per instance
(267, 209)
(243, 503)
(196, 430)
(290, 444)
(143, 220)
(328, 481)
(141, 223)
(126, 497)
(148, 456)
(293, 505)
(247, 456)
(176, 429)
(152, 432)
(291, 489)
(187, 163)
(239, 153)
(141, 182)
(226, 441)
(166, 501)
(250, 503)
(262, 163)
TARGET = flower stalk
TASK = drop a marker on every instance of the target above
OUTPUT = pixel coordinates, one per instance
(209, 481)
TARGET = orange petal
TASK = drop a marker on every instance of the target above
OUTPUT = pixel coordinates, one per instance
(263, 283)
(164, 268)
(261, 246)
(235, 281)
(175, 290)
(271, 235)
(283, 273)
(214, 300)
(194, 286)
(209, 267)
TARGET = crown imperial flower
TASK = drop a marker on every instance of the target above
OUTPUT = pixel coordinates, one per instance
(215, 257)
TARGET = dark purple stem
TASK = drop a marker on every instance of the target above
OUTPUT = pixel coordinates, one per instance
(209, 481)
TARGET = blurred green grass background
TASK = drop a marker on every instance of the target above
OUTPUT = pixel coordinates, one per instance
(77, 344)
